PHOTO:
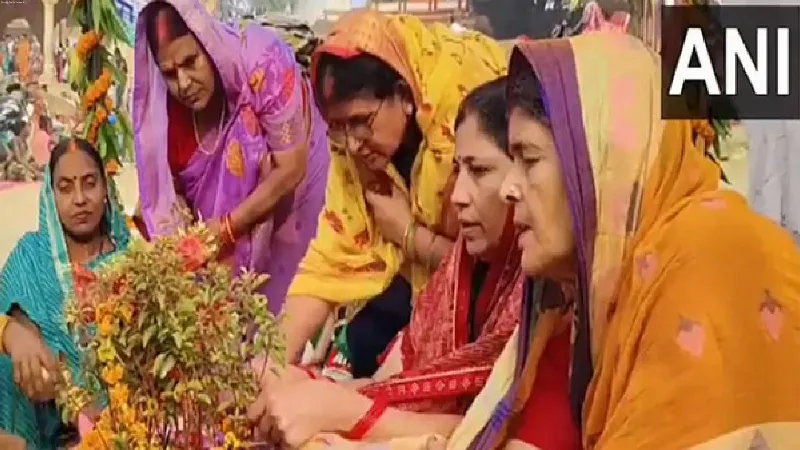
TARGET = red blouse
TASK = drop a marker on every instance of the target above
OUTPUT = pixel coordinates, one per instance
(546, 421)
(181, 141)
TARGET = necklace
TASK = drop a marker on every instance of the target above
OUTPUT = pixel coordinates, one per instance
(218, 128)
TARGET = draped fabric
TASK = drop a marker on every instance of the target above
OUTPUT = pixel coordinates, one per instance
(269, 109)
(38, 278)
(687, 331)
(443, 366)
(441, 67)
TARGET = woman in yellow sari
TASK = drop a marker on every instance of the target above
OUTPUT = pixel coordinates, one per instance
(389, 88)
(687, 303)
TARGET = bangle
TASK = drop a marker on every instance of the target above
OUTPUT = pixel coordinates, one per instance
(408, 237)
(227, 231)
(430, 251)
(368, 420)
(3, 323)
(313, 375)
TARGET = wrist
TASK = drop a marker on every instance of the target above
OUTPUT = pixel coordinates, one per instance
(353, 411)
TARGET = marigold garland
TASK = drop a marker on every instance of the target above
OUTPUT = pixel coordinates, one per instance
(87, 43)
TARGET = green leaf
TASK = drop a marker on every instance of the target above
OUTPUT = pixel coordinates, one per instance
(168, 364)
(148, 334)
(157, 363)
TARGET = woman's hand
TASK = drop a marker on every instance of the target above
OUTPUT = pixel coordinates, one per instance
(11, 442)
(303, 409)
(35, 368)
(392, 213)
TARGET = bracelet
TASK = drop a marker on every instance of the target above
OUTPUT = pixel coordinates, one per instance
(368, 420)
(408, 237)
(430, 251)
(3, 324)
(227, 231)
(313, 375)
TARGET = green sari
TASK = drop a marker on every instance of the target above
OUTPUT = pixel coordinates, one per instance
(37, 278)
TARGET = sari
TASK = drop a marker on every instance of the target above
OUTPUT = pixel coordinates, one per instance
(22, 59)
(38, 278)
(652, 367)
(460, 324)
(440, 67)
(270, 110)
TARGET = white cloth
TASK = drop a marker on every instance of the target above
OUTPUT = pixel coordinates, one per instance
(774, 171)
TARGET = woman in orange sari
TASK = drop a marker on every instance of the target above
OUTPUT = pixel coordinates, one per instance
(460, 322)
(23, 59)
(687, 303)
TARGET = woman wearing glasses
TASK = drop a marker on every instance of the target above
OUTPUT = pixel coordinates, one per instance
(389, 88)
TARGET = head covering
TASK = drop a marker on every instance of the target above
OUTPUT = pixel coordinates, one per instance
(38, 278)
(643, 199)
(440, 67)
(150, 100)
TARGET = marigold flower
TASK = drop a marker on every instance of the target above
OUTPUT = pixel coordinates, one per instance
(112, 374)
(118, 395)
(106, 326)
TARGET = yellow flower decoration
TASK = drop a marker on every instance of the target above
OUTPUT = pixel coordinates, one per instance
(231, 441)
(118, 395)
(106, 326)
(106, 352)
(112, 374)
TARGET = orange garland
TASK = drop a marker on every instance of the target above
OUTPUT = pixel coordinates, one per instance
(87, 42)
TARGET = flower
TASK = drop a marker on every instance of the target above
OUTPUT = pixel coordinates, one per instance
(118, 395)
(192, 251)
(231, 441)
(112, 374)
(106, 352)
(106, 326)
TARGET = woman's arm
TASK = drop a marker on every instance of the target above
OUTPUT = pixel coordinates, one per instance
(430, 248)
(394, 423)
(281, 173)
(519, 445)
(302, 317)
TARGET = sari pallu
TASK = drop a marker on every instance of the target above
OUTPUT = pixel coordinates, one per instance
(687, 332)
(269, 109)
(444, 367)
(441, 68)
(38, 278)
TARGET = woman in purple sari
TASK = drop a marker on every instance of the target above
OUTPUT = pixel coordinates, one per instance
(224, 124)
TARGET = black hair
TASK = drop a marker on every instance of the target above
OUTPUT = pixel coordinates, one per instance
(525, 90)
(361, 76)
(487, 103)
(76, 144)
(163, 16)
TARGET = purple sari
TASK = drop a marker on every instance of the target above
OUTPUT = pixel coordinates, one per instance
(270, 110)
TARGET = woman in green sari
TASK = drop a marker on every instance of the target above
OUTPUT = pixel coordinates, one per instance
(80, 227)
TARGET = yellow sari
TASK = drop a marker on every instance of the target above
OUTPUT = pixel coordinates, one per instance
(349, 261)
(693, 300)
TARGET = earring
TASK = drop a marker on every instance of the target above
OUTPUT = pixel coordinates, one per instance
(408, 108)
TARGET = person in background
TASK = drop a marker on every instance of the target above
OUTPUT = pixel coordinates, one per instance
(79, 229)
(621, 213)
(42, 140)
(121, 88)
(225, 124)
(22, 59)
(381, 85)
(460, 321)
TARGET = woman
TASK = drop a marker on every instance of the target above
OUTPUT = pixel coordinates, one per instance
(389, 88)
(461, 320)
(78, 226)
(243, 144)
(687, 332)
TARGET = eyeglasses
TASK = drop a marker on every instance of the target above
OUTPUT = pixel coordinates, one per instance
(358, 127)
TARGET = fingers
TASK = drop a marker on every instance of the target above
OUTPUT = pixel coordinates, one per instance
(259, 408)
